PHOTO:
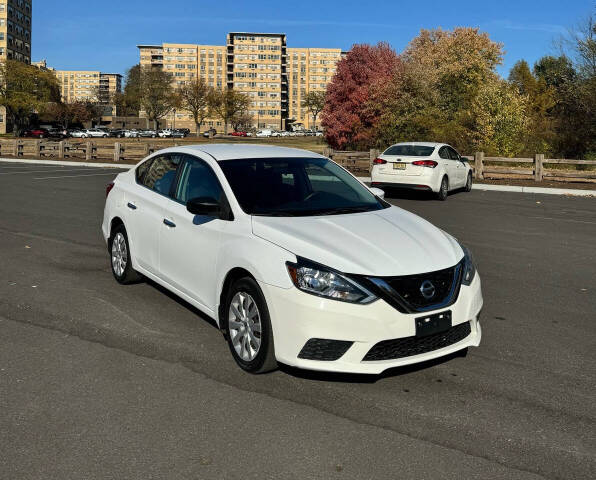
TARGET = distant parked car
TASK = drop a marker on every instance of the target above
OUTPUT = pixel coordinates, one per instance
(132, 133)
(117, 133)
(239, 134)
(318, 133)
(58, 133)
(210, 132)
(94, 133)
(435, 167)
(36, 133)
(179, 133)
(186, 131)
(266, 132)
(148, 133)
(75, 133)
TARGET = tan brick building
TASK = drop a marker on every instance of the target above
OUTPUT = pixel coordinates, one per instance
(275, 77)
(15, 37)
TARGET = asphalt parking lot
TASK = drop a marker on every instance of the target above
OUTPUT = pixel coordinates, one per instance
(98, 380)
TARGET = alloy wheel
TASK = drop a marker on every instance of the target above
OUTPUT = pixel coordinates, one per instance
(119, 254)
(244, 323)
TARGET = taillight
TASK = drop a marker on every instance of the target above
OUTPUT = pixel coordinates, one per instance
(379, 161)
(109, 187)
(425, 163)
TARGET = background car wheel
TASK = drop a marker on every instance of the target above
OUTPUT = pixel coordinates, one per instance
(444, 190)
(469, 182)
(248, 326)
(104, 136)
(120, 257)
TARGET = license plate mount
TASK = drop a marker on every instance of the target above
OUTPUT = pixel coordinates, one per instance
(431, 324)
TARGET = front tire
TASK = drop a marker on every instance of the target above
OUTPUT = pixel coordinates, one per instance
(120, 258)
(248, 325)
(444, 189)
(469, 181)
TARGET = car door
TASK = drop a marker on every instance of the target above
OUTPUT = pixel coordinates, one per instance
(146, 200)
(450, 166)
(460, 168)
(189, 244)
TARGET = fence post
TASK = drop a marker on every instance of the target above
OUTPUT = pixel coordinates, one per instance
(479, 165)
(61, 148)
(538, 166)
(146, 150)
(88, 151)
(374, 153)
(15, 148)
(37, 148)
(117, 151)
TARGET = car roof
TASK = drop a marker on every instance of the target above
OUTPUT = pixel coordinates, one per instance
(230, 151)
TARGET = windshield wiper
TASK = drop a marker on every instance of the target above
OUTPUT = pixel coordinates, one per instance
(340, 210)
(277, 213)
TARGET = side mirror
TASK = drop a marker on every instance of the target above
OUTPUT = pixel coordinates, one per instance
(206, 206)
(378, 192)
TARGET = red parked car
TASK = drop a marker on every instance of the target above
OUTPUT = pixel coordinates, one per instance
(239, 134)
(36, 133)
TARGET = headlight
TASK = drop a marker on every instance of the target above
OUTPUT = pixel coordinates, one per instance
(469, 266)
(324, 282)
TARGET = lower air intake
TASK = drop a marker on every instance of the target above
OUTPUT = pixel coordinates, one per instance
(325, 350)
(409, 346)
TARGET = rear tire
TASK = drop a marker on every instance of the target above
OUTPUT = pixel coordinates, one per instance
(248, 325)
(120, 258)
(468, 187)
(444, 189)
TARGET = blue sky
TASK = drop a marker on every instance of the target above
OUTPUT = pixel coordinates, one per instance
(103, 35)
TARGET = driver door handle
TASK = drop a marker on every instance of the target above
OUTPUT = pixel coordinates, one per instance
(169, 223)
(132, 206)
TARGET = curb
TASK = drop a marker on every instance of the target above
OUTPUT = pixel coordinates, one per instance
(64, 163)
(476, 186)
(516, 189)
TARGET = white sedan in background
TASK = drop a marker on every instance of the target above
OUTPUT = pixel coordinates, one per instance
(435, 167)
(94, 133)
(295, 259)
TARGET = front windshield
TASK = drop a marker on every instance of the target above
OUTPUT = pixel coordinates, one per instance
(297, 187)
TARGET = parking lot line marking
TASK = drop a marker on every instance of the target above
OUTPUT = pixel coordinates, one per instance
(46, 170)
(74, 176)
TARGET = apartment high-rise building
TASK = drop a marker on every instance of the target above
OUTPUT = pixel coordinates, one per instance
(274, 76)
(89, 85)
(15, 37)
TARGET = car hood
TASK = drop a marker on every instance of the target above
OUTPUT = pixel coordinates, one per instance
(387, 242)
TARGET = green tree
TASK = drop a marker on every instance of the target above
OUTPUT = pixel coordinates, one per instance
(314, 102)
(157, 96)
(228, 105)
(25, 90)
(128, 102)
(194, 97)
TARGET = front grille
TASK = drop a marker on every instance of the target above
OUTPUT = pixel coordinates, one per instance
(409, 346)
(405, 293)
(323, 349)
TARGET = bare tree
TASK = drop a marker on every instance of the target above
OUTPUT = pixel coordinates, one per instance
(195, 97)
(314, 103)
(228, 104)
(157, 95)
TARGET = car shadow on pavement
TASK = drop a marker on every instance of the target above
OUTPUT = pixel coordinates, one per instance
(366, 378)
(182, 302)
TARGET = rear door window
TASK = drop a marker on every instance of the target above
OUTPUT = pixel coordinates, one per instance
(444, 153)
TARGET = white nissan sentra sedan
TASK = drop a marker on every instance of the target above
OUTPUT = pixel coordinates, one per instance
(435, 167)
(296, 260)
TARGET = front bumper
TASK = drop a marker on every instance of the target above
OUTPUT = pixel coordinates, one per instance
(297, 317)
